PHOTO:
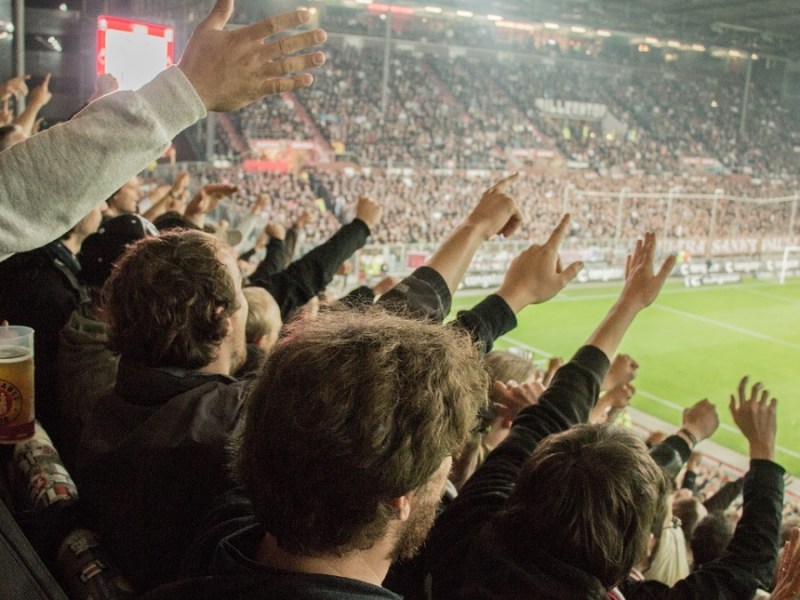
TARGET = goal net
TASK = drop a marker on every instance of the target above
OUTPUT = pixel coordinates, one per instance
(790, 262)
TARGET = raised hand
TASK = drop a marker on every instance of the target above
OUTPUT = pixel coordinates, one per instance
(180, 183)
(553, 365)
(756, 418)
(496, 212)
(641, 288)
(623, 370)
(514, 397)
(230, 69)
(6, 116)
(275, 230)
(104, 84)
(41, 95)
(15, 86)
(700, 420)
(261, 204)
(206, 200)
(369, 211)
(615, 399)
(304, 218)
(642, 285)
(536, 275)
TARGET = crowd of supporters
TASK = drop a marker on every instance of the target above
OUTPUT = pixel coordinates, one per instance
(237, 430)
(476, 110)
(422, 206)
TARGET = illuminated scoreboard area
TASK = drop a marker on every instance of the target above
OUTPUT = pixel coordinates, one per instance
(133, 51)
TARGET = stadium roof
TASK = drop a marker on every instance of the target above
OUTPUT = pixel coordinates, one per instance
(763, 26)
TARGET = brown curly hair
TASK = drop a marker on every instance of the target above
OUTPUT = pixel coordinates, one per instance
(168, 299)
(352, 410)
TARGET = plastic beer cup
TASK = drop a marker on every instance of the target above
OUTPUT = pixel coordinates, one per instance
(16, 384)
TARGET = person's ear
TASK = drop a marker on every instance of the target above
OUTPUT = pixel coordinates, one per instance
(402, 507)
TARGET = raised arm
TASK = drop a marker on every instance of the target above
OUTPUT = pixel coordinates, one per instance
(533, 277)
(749, 561)
(123, 132)
(566, 402)
(276, 249)
(642, 286)
(308, 275)
(36, 101)
(206, 200)
(700, 421)
(495, 213)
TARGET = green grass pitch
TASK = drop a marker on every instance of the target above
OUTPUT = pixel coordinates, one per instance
(692, 343)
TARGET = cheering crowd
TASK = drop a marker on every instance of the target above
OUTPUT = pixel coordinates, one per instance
(237, 433)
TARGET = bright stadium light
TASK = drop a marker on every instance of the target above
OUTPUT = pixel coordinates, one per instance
(433, 9)
(698, 48)
(577, 29)
(603, 33)
(494, 17)
(553, 26)
(464, 13)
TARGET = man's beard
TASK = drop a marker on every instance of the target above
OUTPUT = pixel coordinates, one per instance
(415, 530)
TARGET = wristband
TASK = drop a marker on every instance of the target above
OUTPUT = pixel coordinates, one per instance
(688, 434)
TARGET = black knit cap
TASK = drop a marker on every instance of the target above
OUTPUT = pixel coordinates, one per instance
(101, 250)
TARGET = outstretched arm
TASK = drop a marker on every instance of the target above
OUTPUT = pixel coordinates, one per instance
(427, 293)
(206, 200)
(308, 275)
(564, 403)
(37, 99)
(220, 70)
(533, 277)
(495, 213)
(749, 561)
(642, 286)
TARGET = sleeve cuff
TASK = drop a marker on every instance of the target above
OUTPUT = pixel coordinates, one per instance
(423, 294)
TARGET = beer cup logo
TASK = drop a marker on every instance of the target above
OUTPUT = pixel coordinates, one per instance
(10, 402)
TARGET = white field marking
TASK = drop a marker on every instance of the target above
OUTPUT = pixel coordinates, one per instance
(527, 347)
(669, 291)
(653, 397)
(728, 326)
(773, 296)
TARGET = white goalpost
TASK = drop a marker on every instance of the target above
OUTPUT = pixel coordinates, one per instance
(785, 262)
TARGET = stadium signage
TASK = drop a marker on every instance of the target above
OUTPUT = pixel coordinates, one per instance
(572, 109)
(712, 279)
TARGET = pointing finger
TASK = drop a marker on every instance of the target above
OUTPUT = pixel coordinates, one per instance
(503, 183)
(559, 233)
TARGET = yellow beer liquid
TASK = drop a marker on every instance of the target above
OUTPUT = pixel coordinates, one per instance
(16, 394)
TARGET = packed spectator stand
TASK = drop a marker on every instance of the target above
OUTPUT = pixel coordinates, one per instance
(312, 438)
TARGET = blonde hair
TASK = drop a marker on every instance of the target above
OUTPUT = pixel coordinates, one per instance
(670, 562)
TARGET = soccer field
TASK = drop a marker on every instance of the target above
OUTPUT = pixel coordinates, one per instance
(693, 343)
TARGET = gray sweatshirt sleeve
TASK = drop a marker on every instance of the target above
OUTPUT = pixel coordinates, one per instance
(52, 180)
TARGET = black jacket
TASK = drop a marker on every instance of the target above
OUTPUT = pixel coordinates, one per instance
(469, 560)
(40, 289)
